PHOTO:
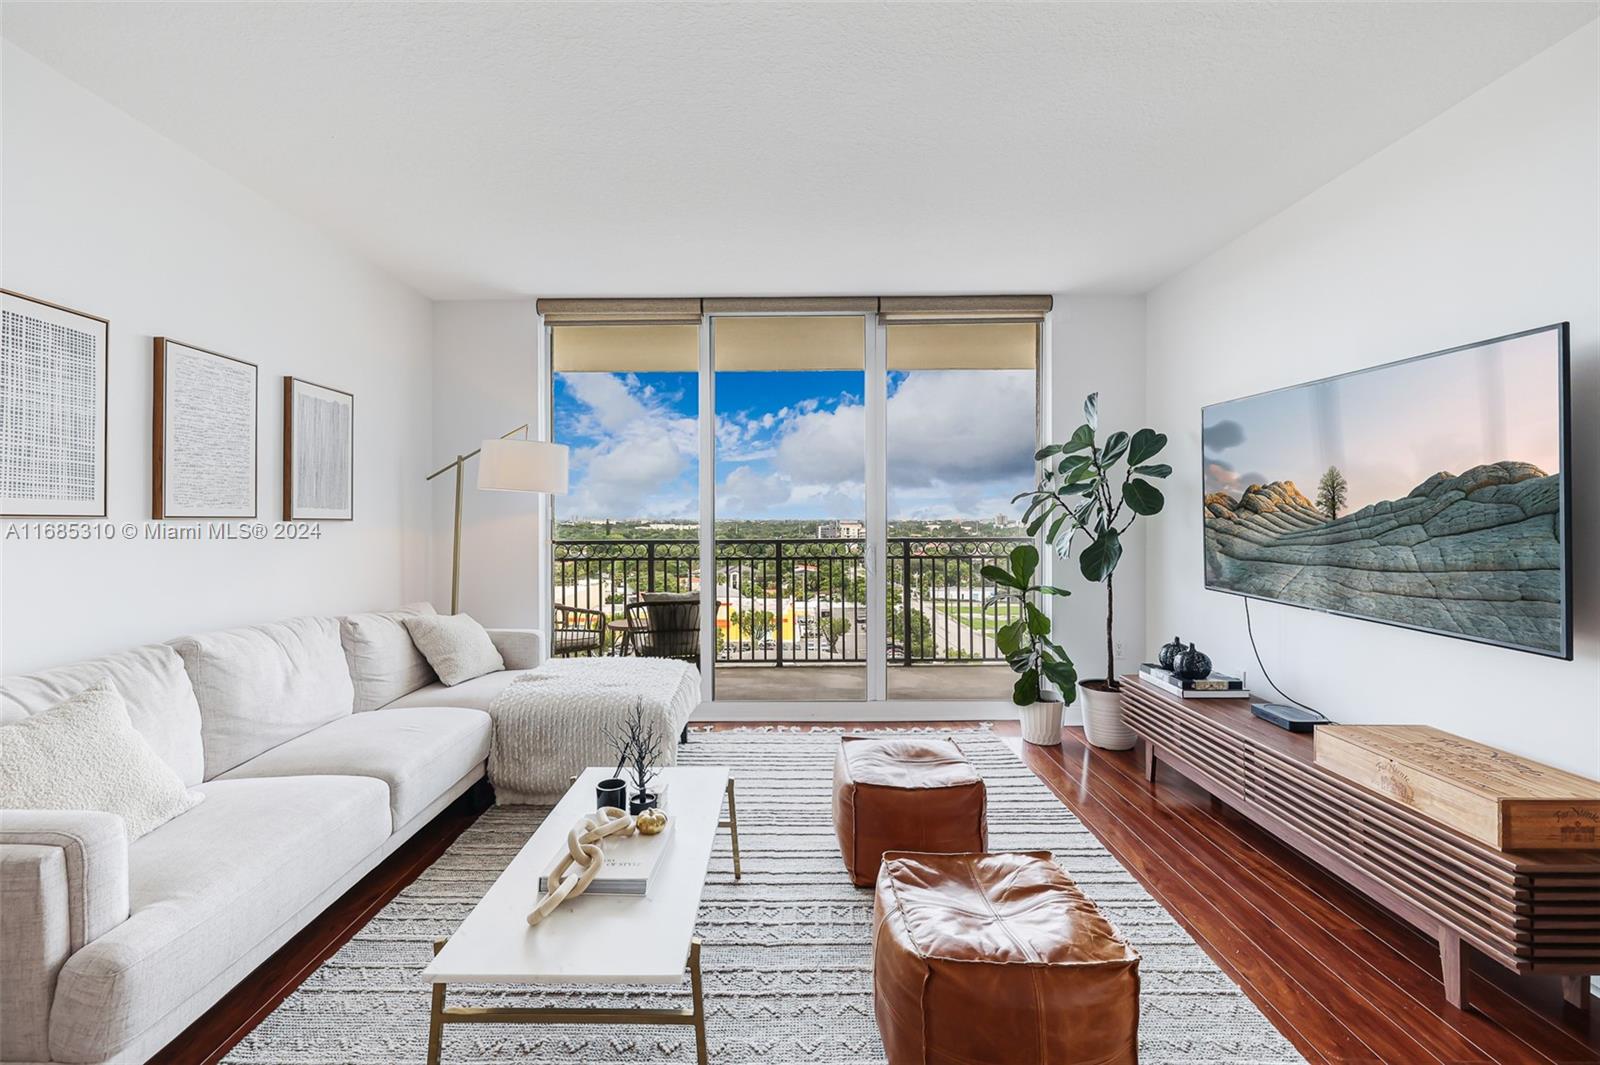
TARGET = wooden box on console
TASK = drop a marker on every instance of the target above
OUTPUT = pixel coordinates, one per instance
(1495, 797)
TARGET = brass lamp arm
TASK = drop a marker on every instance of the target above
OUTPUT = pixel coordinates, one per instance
(447, 467)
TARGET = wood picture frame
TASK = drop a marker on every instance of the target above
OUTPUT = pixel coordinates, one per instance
(319, 452)
(206, 436)
(57, 362)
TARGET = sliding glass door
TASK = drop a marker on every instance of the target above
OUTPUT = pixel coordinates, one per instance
(791, 534)
(825, 486)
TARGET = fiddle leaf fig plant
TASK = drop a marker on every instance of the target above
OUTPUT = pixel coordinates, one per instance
(1025, 641)
(1098, 488)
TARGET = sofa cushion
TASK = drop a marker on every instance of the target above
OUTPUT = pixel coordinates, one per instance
(418, 752)
(262, 686)
(476, 693)
(384, 663)
(86, 755)
(456, 646)
(205, 888)
(150, 679)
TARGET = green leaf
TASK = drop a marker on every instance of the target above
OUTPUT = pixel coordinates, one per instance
(1099, 559)
(1116, 446)
(1048, 450)
(1038, 620)
(1074, 466)
(1002, 577)
(1055, 528)
(1158, 469)
(1008, 637)
(1062, 675)
(1050, 589)
(1026, 690)
(1024, 561)
(1091, 410)
(1147, 443)
(1142, 497)
(1082, 437)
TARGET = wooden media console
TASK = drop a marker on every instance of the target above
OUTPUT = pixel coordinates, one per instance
(1532, 911)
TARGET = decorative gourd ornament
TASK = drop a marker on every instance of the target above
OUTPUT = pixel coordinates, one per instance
(1191, 664)
(1170, 651)
(651, 822)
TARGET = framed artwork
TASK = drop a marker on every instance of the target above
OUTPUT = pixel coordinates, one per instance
(203, 455)
(53, 388)
(319, 452)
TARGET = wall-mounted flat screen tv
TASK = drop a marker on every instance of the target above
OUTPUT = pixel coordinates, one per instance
(1429, 493)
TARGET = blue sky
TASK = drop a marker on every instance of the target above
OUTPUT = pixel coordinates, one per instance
(792, 444)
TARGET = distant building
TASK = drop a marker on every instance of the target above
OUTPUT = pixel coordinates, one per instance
(1005, 521)
(842, 530)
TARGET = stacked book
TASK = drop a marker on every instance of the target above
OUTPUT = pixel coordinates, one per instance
(630, 863)
(1213, 686)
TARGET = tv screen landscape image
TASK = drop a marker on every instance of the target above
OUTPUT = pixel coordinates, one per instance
(1429, 493)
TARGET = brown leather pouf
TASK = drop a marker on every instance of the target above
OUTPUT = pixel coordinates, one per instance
(904, 793)
(998, 959)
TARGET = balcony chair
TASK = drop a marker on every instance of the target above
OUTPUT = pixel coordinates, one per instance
(577, 631)
(664, 625)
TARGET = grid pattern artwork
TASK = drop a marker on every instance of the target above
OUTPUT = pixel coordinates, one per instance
(52, 411)
(320, 472)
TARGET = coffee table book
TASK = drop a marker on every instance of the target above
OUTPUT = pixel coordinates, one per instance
(1495, 797)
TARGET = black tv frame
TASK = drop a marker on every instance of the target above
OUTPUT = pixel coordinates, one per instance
(1564, 373)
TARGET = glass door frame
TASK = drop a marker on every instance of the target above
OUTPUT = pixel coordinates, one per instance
(877, 705)
(875, 400)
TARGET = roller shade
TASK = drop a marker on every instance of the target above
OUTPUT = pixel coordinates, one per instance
(790, 304)
(782, 343)
(963, 346)
(963, 308)
(625, 348)
(651, 311)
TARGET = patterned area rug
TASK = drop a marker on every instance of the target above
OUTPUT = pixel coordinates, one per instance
(787, 958)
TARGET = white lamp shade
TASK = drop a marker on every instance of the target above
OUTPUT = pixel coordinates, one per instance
(522, 466)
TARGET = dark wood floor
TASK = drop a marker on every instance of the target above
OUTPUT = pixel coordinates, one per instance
(1341, 979)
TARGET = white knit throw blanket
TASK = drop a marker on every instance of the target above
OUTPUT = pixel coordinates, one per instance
(550, 724)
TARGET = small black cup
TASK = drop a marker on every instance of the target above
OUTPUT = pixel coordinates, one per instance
(613, 792)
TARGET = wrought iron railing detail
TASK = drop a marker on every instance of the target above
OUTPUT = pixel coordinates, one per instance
(784, 601)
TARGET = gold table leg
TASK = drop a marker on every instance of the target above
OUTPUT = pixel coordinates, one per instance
(695, 1017)
(436, 1015)
(732, 825)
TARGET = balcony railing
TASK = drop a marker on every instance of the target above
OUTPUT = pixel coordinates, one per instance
(785, 601)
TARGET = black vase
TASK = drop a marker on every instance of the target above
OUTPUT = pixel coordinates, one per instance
(642, 801)
(1170, 651)
(613, 792)
(1192, 664)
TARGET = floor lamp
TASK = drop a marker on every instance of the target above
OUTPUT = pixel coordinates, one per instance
(505, 465)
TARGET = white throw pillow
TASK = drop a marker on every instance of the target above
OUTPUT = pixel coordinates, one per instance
(86, 755)
(455, 645)
(384, 661)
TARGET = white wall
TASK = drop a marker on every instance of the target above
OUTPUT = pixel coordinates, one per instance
(1480, 223)
(104, 215)
(486, 382)
(1097, 345)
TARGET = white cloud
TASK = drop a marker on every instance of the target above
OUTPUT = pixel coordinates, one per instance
(746, 492)
(644, 448)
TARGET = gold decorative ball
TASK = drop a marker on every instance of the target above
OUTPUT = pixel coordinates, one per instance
(651, 822)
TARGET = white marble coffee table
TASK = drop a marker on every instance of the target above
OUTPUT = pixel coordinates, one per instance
(592, 939)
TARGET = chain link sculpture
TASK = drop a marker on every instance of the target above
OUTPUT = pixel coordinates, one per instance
(584, 850)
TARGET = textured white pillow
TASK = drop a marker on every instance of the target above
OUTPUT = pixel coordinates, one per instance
(455, 645)
(86, 755)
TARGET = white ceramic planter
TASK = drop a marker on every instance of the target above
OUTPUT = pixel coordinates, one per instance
(1103, 721)
(1041, 724)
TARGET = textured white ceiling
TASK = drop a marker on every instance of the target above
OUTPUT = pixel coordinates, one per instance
(574, 149)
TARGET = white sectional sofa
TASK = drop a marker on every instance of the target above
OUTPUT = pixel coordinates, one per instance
(320, 744)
